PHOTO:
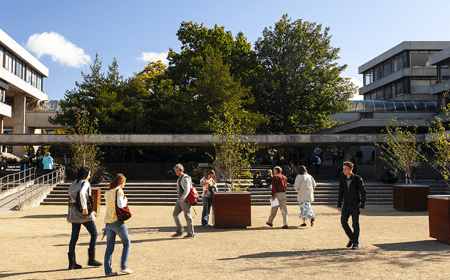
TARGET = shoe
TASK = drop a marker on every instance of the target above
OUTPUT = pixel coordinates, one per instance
(127, 271)
(349, 244)
(92, 261)
(355, 246)
(178, 233)
(312, 222)
(269, 224)
(189, 235)
(72, 261)
(112, 274)
(285, 226)
(303, 225)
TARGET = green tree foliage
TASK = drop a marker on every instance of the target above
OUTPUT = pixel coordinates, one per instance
(401, 149)
(299, 79)
(107, 98)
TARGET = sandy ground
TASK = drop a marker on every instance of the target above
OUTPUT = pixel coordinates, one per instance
(393, 245)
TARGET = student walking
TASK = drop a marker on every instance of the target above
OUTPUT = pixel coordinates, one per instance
(351, 189)
(184, 185)
(279, 184)
(82, 187)
(209, 187)
(305, 185)
(113, 227)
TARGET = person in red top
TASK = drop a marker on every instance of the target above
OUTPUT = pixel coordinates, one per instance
(279, 184)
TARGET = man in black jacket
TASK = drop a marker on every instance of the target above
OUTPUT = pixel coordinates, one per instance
(351, 188)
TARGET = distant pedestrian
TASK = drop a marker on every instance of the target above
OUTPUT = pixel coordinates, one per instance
(305, 185)
(114, 195)
(279, 184)
(335, 154)
(359, 156)
(209, 188)
(316, 162)
(184, 185)
(30, 154)
(47, 163)
(257, 180)
(269, 177)
(82, 187)
(351, 189)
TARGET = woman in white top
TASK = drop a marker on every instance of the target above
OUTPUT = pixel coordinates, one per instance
(305, 185)
(209, 186)
(114, 226)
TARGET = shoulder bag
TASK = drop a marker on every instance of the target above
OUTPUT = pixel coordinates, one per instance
(124, 213)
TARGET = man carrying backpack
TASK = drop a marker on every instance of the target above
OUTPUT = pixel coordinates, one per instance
(184, 185)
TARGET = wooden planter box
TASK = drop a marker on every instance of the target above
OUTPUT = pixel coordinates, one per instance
(232, 209)
(439, 217)
(97, 196)
(411, 198)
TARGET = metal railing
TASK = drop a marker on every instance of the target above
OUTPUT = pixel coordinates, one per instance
(16, 179)
(37, 186)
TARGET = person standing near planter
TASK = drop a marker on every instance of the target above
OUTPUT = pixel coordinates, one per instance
(279, 184)
(209, 187)
(305, 185)
(351, 189)
(184, 185)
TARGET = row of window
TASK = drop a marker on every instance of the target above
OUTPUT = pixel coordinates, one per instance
(22, 70)
(397, 63)
(2, 95)
(403, 86)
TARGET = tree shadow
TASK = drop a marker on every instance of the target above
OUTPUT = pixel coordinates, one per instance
(57, 216)
(6, 274)
(415, 246)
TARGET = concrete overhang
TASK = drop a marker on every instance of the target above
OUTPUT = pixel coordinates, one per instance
(407, 45)
(441, 57)
(196, 139)
(23, 54)
(440, 87)
(16, 84)
(5, 110)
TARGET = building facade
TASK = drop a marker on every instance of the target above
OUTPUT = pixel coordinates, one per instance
(21, 82)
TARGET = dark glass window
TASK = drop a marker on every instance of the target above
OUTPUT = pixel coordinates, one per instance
(405, 64)
(388, 92)
(399, 88)
(387, 68)
(1, 57)
(398, 63)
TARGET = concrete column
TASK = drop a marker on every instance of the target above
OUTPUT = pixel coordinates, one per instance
(1, 132)
(18, 114)
(346, 152)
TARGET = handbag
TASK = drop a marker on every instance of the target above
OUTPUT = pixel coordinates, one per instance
(89, 202)
(124, 213)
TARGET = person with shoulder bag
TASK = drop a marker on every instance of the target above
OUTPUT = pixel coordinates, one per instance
(184, 185)
(79, 193)
(305, 185)
(115, 225)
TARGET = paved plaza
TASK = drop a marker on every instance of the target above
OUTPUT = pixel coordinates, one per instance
(393, 245)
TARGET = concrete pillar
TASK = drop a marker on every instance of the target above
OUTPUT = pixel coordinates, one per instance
(346, 152)
(1, 132)
(18, 114)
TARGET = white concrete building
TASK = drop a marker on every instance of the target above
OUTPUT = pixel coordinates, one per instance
(21, 82)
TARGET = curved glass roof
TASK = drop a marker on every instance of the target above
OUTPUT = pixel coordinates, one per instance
(44, 105)
(418, 106)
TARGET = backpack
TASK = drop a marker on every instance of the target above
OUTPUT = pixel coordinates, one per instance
(193, 193)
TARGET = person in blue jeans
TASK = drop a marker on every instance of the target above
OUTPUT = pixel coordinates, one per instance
(81, 186)
(115, 227)
(351, 189)
(209, 187)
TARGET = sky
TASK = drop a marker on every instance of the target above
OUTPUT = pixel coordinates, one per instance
(67, 35)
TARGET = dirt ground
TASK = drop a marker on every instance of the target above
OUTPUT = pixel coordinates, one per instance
(393, 245)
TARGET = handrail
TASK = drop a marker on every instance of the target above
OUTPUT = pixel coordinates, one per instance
(15, 179)
(40, 184)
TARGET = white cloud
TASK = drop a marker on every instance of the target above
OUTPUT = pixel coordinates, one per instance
(153, 56)
(60, 50)
(359, 84)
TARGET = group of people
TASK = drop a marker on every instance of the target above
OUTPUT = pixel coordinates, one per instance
(44, 159)
(258, 180)
(351, 202)
(80, 189)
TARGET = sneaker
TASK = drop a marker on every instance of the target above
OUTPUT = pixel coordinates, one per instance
(349, 244)
(355, 246)
(189, 235)
(303, 225)
(178, 233)
(112, 274)
(285, 226)
(312, 222)
(269, 224)
(127, 271)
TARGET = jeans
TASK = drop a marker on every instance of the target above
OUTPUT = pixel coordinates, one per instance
(347, 211)
(183, 206)
(113, 229)
(90, 226)
(206, 210)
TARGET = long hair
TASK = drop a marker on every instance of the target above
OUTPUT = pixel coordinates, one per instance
(302, 170)
(118, 181)
(82, 174)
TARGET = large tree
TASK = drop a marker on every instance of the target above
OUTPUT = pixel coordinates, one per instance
(299, 77)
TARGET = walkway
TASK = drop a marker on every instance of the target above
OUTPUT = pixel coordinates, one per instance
(393, 245)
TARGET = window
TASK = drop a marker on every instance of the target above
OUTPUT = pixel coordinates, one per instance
(368, 77)
(420, 86)
(380, 94)
(405, 62)
(29, 75)
(398, 63)
(393, 90)
(399, 88)
(420, 59)
(8, 62)
(39, 82)
(19, 69)
(1, 57)
(387, 68)
(33, 79)
(373, 95)
(388, 92)
(444, 72)
(2, 96)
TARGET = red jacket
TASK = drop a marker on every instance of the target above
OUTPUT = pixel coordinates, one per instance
(279, 184)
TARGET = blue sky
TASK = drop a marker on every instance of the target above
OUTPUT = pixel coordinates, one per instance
(66, 35)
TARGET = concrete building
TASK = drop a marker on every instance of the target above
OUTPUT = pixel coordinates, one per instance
(21, 82)
(441, 61)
